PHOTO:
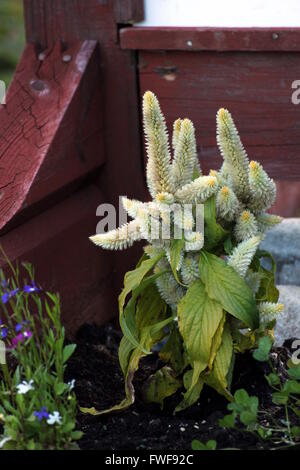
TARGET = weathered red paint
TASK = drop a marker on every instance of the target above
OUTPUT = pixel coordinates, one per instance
(69, 128)
(255, 87)
(211, 39)
(49, 125)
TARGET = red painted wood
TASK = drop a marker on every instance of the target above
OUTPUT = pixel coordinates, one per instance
(130, 11)
(100, 121)
(49, 126)
(211, 39)
(56, 242)
(255, 87)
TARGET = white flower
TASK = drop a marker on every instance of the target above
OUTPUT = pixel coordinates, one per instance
(24, 387)
(54, 418)
(71, 384)
(4, 441)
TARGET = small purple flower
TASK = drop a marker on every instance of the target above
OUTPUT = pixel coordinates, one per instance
(4, 332)
(30, 288)
(4, 283)
(8, 295)
(43, 413)
(18, 327)
(27, 334)
(20, 338)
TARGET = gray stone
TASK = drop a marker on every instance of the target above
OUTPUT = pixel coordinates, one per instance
(288, 323)
(283, 242)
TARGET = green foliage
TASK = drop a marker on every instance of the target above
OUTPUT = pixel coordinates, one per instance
(245, 411)
(11, 36)
(37, 406)
(203, 293)
(210, 445)
(263, 350)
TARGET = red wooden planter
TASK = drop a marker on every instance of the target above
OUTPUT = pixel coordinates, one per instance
(70, 133)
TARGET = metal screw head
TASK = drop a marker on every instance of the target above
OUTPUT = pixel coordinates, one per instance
(42, 56)
(275, 36)
(38, 85)
(189, 43)
(66, 58)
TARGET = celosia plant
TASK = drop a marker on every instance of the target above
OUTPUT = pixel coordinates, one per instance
(203, 293)
(37, 406)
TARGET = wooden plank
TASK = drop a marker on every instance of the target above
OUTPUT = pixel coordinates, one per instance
(255, 87)
(210, 39)
(65, 261)
(129, 11)
(49, 126)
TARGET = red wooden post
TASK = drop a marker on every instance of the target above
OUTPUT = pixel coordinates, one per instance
(69, 140)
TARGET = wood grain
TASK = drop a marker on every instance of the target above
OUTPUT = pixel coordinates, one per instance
(255, 87)
(130, 11)
(48, 126)
(211, 39)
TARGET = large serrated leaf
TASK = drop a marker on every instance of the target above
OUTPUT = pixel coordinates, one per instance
(199, 317)
(219, 376)
(224, 285)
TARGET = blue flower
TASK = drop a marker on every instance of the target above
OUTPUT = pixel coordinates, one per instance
(8, 295)
(43, 413)
(18, 327)
(4, 332)
(30, 288)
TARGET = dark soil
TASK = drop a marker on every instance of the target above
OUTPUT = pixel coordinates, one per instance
(99, 383)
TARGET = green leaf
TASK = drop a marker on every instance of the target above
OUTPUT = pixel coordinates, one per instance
(295, 430)
(294, 372)
(245, 406)
(198, 317)
(228, 421)
(68, 351)
(225, 286)
(134, 282)
(133, 278)
(273, 379)
(213, 232)
(59, 388)
(268, 291)
(280, 398)
(128, 316)
(247, 417)
(193, 385)
(160, 385)
(151, 321)
(76, 435)
(291, 387)
(219, 376)
(228, 246)
(198, 445)
(172, 351)
(175, 251)
(263, 351)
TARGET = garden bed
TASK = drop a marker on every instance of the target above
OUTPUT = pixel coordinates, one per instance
(99, 383)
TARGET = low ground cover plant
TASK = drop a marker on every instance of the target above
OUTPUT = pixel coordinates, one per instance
(279, 431)
(37, 407)
(201, 290)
